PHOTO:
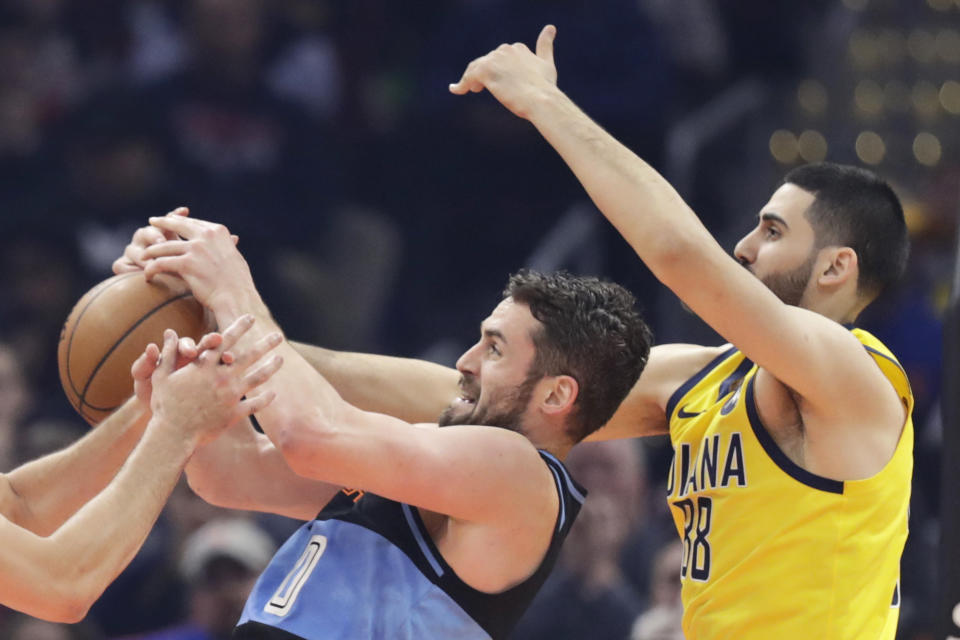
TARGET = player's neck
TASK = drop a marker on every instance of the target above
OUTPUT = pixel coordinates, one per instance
(839, 308)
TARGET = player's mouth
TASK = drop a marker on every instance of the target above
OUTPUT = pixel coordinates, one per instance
(466, 399)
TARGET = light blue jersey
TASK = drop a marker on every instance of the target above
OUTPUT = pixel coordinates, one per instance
(367, 568)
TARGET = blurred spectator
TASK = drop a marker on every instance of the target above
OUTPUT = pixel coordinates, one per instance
(150, 593)
(220, 564)
(588, 595)
(21, 627)
(38, 288)
(15, 401)
(45, 435)
(663, 618)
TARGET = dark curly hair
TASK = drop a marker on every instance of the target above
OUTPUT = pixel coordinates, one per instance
(591, 331)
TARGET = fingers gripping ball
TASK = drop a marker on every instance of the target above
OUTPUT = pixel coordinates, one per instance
(110, 327)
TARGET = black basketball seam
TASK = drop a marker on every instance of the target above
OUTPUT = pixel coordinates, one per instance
(76, 324)
(93, 374)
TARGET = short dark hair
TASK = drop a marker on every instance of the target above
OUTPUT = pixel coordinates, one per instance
(856, 208)
(592, 331)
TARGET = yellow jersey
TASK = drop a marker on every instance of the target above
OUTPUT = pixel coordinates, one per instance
(772, 551)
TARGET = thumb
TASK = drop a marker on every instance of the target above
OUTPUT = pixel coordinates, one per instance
(545, 43)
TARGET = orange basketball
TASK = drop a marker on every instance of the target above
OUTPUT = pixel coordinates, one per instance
(109, 328)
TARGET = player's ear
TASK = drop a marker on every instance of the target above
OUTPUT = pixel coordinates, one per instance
(560, 394)
(841, 266)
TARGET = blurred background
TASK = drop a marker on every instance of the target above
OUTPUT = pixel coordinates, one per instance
(381, 213)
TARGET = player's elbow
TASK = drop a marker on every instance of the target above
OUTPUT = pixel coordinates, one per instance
(206, 487)
(304, 442)
(66, 602)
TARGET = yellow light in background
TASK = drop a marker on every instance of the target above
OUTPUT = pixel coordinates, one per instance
(893, 45)
(783, 146)
(855, 5)
(939, 5)
(950, 97)
(921, 45)
(812, 146)
(863, 49)
(947, 45)
(870, 147)
(927, 149)
(896, 96)
(926, 98)
(812, 96)
(868, 97)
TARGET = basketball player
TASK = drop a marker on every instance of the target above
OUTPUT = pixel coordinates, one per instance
(71, 521)
(437, 533)
(793, 443)
(793, 446)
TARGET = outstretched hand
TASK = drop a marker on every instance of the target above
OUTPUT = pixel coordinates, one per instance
(513, 73)
(219, 387)
(204, 254)
(133, 258)
(187, 351)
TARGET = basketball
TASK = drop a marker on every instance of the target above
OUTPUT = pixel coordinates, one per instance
(109, 328)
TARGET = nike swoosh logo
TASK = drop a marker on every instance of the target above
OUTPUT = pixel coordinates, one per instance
(683, 415)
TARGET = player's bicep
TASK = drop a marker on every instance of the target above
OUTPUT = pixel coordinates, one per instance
(814, 356)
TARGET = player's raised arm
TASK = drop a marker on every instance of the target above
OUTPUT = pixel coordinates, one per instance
(790, 342)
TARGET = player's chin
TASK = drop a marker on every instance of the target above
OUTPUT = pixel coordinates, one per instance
(458, 412)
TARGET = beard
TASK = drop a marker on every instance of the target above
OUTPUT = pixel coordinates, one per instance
(790, 286)
(505, 411)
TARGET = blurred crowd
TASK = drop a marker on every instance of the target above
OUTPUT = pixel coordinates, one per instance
(378, 212)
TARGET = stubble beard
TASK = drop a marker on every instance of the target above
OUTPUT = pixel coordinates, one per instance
(790, 286)
(505, 412)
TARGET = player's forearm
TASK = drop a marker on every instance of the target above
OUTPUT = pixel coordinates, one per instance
(306, 412)
(97, 542)
(243, 470)
(637, 200)
(409, 389)
(52, 488)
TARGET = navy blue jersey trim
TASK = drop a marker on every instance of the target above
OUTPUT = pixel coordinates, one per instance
(735, 377)
(562, 519)
(885, 357)
(421, 541)
(579, 493)
(258, 631)
(700, 375)
(789, 467)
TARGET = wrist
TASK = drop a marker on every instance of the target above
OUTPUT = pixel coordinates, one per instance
(169, 439)
(228, 308)
(545, 101)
